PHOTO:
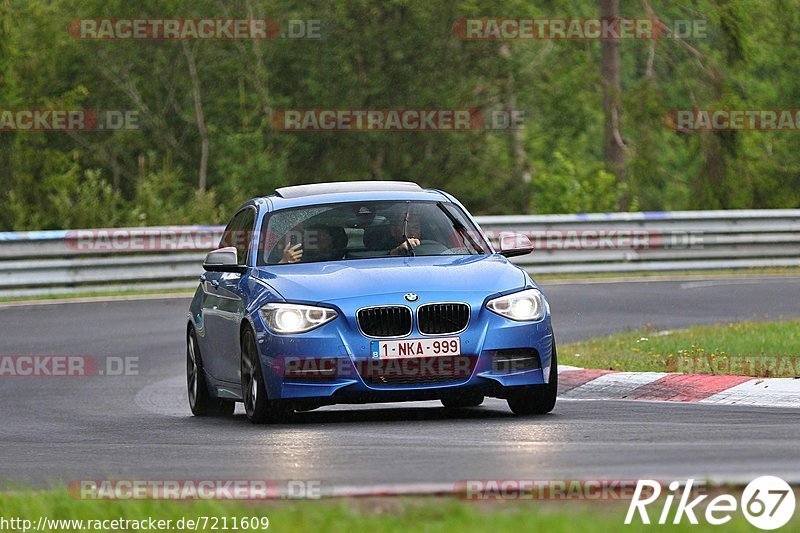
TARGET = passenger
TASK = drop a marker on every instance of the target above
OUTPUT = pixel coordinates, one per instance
(323, 243)
(326, 243)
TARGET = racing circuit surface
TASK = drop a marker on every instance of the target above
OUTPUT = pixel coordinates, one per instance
(139, 427)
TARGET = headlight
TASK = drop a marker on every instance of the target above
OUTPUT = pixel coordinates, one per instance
(527, 305)
(295, 318)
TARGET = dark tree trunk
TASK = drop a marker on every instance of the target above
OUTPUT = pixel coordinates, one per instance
(200, 116)
(613, 144)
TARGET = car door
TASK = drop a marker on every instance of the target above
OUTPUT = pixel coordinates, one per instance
(224, 304)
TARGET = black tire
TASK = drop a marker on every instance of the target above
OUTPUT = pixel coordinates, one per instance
(460, 402)
(201, 402)
(538, 399)
(258, 407)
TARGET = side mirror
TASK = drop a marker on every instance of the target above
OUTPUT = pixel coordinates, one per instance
(514, 244)
(223, 260)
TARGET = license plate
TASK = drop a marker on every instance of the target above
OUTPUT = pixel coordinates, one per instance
(416, 348)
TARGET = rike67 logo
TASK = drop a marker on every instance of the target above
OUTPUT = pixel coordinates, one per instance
(767, 502)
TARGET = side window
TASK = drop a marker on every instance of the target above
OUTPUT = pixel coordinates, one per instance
(244, 237)
(228, 236)
(239, 233)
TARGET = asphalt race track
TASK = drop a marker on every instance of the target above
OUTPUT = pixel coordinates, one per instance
(139, 427)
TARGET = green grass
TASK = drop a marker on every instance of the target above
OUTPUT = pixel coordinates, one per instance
(759, 349)
(368, 515)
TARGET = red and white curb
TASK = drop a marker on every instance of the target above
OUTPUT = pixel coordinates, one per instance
(590, 384)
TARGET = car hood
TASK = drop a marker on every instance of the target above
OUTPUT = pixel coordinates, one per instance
(321, 282)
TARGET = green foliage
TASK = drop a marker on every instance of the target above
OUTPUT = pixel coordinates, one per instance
(394, 54)
(561, 188)
(83, 199)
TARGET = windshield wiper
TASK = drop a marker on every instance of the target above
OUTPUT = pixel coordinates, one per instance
(461, 228)
(405, 230)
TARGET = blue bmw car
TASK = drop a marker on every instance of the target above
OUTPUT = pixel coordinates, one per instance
(361, 292)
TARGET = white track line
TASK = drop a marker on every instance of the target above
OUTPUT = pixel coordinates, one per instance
(761, 392)
(771, 392)
(617, 385)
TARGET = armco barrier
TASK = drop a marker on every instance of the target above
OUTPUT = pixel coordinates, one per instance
(63, 262)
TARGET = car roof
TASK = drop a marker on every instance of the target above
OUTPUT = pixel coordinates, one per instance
(351, 191)
(337, 187)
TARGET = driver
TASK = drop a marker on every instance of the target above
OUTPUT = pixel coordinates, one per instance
(397, 244)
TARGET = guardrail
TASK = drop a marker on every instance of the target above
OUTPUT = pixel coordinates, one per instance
(64, 262)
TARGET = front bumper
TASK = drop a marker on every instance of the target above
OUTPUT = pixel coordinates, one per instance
(333, 364)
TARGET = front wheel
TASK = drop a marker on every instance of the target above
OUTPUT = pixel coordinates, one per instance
(200, 400)
(258, 407)
(537, 399)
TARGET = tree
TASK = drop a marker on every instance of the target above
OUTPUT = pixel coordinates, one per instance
(613, 143)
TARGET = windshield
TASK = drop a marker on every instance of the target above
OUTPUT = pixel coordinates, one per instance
(360, 230)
